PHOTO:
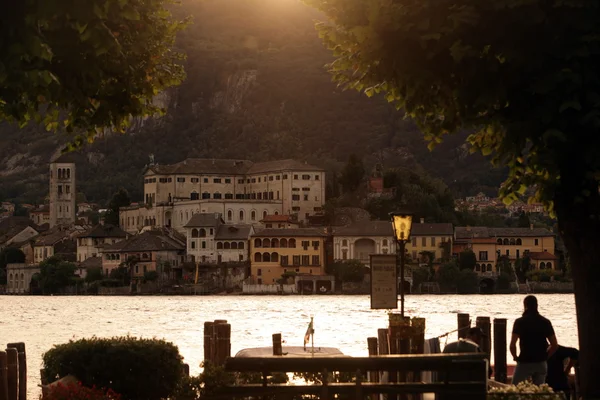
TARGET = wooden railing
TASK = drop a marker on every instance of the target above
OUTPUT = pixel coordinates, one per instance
(473, 366)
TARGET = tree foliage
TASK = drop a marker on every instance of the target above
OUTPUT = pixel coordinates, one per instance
(85, 67)
(467, 260)
(56, 275)
(9, 255)
(118, 200)
(347, 271)
(352, 175)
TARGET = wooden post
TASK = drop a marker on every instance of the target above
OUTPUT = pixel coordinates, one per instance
(382, 341)
(464, 323)
(500, 369)
(277, 345)
(13, 374)
(22, 361)
(3, 376)
(208, 341)
(373, 376)
(486, 342)
(223, 343)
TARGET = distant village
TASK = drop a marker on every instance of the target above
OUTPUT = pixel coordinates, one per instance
(214, 225)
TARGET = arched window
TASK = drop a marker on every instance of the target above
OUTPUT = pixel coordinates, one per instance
(253, 215)
(266, 257)
(506, 242)
(513, 242)
(264, 214)
(205, 195)
(274, 257)
(241, 215)
(499, 241)
(194, 233)
(68, 173)
(489, 267)
(542, 265)
(344, 243)
(292, 244)
(276, 212)
(477, 267)
(385, 242)
(257, 257)
(145, 255)
(217, 195)
(283, 243)
(275, 243)
(194, 195)
(181, 216)
(59, 173)
(257, 243)
(219, 245)
(187, 216)
(241, 245)
(153, 221)
(229, 215)
(193, 244)
(226, 245)
(266, 243)
(234, 246)
(549, 265)
(202, 232)
(519, 242)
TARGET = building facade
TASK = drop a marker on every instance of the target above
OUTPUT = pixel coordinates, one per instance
(359, 240)
(90, 242)
(242, 191)
(62, 192)
(430, 239)
(274, 252)
(18, 278)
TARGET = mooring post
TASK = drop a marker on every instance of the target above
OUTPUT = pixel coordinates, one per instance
(373, 376)
(382, 341)
(22, 362)
(3, 376)
(13, 373)
(208, 341)
(223, 343)
(464, 323)
(500, 368)
(277, 345)
(486, 342)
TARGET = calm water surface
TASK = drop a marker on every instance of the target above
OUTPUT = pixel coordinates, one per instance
(344, 322)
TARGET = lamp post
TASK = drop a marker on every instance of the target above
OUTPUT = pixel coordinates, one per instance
(402, 223)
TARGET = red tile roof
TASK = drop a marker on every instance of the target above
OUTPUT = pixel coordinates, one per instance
(276, 218)
(542, 255)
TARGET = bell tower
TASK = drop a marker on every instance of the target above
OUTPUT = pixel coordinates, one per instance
(63, 192)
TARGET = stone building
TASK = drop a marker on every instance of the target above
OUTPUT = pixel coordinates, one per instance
(90, 242)
(62, 191)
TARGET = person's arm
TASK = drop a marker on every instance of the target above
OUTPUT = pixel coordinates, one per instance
(573, 357)
(552, 339)
(513, 346)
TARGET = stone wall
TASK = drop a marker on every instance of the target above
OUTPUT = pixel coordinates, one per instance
(268, 289)
(551, 287)
(114, 291)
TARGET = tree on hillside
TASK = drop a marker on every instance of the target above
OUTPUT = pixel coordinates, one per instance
(119, 199)
(352, 174)
(55, 275)
(467, 260)
(530, 95)
(9, 255)
(87, 67)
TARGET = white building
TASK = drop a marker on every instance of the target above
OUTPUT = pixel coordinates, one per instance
(359, 240)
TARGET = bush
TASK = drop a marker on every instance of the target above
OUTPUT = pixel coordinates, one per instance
(135, 368)
(504, 280)
(76, 391)
(467, 282)
(150, 276)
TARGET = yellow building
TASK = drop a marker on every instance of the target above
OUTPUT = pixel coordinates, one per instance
(277, 251)
(431, 238)
(489, 244)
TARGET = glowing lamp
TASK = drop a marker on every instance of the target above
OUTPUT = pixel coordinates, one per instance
(402, 223)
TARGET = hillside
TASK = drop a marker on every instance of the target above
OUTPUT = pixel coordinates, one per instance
(256, 89)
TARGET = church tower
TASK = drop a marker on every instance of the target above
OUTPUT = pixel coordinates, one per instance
(62, 191)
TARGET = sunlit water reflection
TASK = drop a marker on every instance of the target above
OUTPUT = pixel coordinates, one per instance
(344, 322)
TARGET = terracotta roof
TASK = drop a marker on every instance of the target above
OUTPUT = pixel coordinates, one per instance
(542, 255)
(12, 226)
(92, 262)
(51, 238)
(425, 229)
(204, 219)
(462, 232)
(307, 232)
(104, 231)
(233, 232)
(229, 167)
(147, 241)
(366, 228)
(276, 218)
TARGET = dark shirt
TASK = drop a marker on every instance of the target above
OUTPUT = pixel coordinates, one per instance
(533, 331)
(556, 378)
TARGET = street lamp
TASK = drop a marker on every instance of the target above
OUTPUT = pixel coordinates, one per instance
(402, 223)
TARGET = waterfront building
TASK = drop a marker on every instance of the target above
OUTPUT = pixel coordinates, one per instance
(359, 240)
(430, 239)
(18, 278)
(242, 191)
(62, 191)
(211, 241)
(59, 241)
(279, 222)
(275, 252)
(90, 242)
(157, 250)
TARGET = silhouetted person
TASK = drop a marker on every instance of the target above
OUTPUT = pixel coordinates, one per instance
(559, 367)
(533, 333)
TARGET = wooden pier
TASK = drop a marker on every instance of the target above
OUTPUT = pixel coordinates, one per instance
(13, 372)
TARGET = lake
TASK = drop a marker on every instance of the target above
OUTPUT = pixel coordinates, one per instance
(344, 322)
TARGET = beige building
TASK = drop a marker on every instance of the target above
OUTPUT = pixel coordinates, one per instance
(90, 242)
(279, 222)
(18, 278)
(242, 191)
(361, 239)
(210, 240)
(40, 215)
(274, 252)
(435, 238)
(62, 191)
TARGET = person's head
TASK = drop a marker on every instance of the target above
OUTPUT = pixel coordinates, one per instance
(475, 335)
(530, 304)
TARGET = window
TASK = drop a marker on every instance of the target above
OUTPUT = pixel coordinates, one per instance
(315, 244)
(424, 241)
(284, 176)
(228, 196)
(217, 180)
(414, 242)
(60, 189)
(316, 177)
(305, 197)
(194, 196)
(204, 244)
(305, 177)
(344, 242)
(296, 260)
(240, 181)
(292, 243)
(253, 215)
(433, 241)
(193, 244)
(206, 195)
(180, 180)
(217, 195)
(239, 196)
(67, 189)
(295, 176)
(195, 180)
(296, 197)
(278, 177)
(296, 208)
(241, 215)
(483, 256)
(169, 180)
(258, 271)
(295, 189)
(285, 260)
(227, 180)
(219, 245)
(205, 180)
(271, 178)
(305, 260)
(305, 244)
(508, 252)
(259, 180)
(384, 243)
(253, 180)
(536, 242)
(229, 215)
(315, 260)
(241, 245)
(278, 195)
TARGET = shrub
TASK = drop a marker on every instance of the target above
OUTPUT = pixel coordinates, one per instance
(76, 391)
(136, 368)
(467, 282)
(150, 276)
(522, 391)
(504, 280)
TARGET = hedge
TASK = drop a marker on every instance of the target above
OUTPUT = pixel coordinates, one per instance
(135, 368)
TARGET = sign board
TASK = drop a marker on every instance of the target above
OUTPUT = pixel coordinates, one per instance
(384, 286)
